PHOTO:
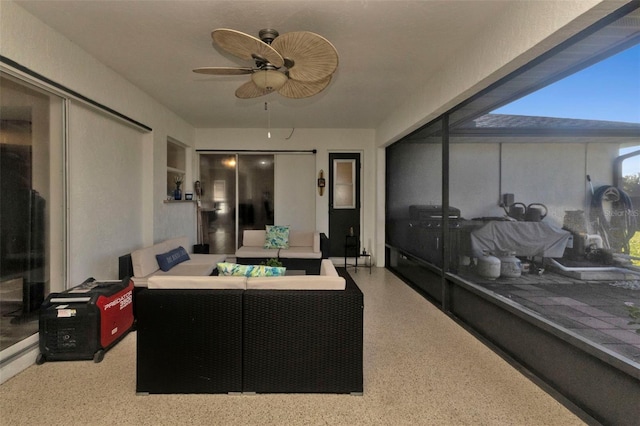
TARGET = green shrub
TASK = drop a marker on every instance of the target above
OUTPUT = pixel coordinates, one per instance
(634, 313)
(634, 247)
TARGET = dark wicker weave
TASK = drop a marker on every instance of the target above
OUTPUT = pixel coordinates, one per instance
(303, 340)
(310, 266)
(220, 341)
(189, 341)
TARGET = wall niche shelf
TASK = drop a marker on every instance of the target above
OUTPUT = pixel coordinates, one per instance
(176, 165)
(179, 201)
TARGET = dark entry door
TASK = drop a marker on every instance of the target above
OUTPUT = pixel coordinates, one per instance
(344, 200)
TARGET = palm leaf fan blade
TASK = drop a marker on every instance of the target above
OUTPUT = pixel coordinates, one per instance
(314, 57)
(245, 46)
(303, 89)
(249, 90)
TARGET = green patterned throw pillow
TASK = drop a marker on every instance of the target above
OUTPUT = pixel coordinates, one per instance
(266, 271)
(235, 269)
(232, 269)
(277, 236)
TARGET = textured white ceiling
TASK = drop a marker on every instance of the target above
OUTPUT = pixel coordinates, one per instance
(386, 48)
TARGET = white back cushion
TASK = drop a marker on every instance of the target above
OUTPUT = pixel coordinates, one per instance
(178, 242)
(305, 239)
(189, 269)
(254, 237)
(300, 239)
(144, 260)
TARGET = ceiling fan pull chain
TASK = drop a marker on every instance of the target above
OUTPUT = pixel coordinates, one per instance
(268, 120)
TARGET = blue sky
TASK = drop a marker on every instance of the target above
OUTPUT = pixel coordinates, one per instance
(608, 90)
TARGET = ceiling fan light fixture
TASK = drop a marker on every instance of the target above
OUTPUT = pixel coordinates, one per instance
(297, 64)
(269, 79)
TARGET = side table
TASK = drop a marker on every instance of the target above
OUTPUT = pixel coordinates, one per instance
(367, 261)
(352, 246)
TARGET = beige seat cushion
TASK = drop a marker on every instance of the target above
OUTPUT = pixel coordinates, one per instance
(297, 282)
(252, 251)
(215, 283)
(178, 242)
(299, 253)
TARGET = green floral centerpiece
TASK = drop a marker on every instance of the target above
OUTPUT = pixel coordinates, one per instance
(272, 262)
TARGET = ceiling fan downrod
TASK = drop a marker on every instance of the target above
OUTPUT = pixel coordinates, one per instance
(268, 35)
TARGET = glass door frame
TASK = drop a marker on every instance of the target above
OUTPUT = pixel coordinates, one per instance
(57, 219)
(237, 156)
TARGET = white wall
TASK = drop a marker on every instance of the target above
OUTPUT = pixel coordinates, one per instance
(34, 45)
(295, 188)
(105, 186)
(98, 158)
(553, 174)
(324, 141)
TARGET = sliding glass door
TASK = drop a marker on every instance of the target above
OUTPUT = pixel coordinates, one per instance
(237, 194)
(31, 206)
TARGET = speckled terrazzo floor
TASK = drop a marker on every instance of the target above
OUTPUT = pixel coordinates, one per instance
(420, 368)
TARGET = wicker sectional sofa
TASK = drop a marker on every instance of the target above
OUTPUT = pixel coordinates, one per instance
(142, 264)
(291, 334)
(305, 250)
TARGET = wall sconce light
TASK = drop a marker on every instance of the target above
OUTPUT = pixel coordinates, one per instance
(321, 182)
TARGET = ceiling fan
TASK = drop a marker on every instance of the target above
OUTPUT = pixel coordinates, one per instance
(297, 64)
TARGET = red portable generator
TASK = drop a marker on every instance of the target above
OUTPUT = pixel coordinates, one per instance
(86, 320)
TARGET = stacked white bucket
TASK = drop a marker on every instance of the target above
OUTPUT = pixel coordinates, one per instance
(506, 266)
